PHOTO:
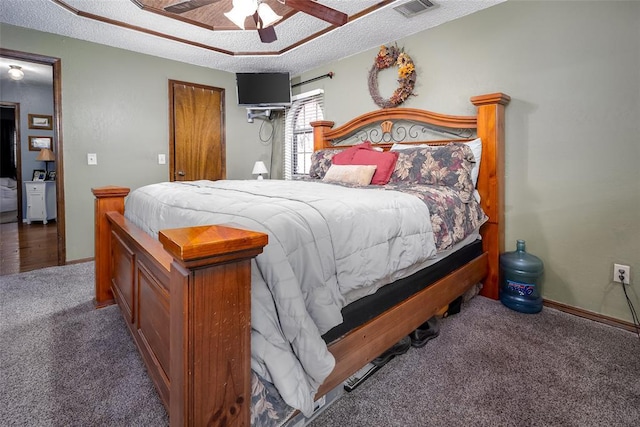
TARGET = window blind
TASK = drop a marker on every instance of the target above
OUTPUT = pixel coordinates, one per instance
(298, 141)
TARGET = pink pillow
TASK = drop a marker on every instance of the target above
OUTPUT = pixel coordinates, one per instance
(344, 157)
(385, 162)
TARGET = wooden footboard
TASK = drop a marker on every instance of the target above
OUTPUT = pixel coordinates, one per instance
(186, 300)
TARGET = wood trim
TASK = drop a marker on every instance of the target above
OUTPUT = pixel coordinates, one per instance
(591, 315)
(166, 36)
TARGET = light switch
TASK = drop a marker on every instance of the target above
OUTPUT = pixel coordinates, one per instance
(162, 159)
(92, 159)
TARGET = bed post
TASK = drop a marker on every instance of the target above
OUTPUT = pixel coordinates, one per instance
(490, 121)
(319, 129)
(210, 311)
(107, 199)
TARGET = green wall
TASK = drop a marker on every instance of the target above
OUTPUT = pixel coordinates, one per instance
(115, 104)
(571, 68)
(572, 175)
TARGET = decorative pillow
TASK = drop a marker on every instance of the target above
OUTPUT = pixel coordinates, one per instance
(345, 156)
(449, 165)
(385, 163)
(350, 174)
(476, 149)
(320, 162)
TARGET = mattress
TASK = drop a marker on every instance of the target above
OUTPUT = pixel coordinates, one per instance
(361, 311)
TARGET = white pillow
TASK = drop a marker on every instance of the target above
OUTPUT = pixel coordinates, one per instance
(398, 147)
(350, 174)
(476, 149)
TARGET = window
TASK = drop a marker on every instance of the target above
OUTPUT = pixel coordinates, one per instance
(305, 108)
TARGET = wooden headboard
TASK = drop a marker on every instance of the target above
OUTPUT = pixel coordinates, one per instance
(487, 124)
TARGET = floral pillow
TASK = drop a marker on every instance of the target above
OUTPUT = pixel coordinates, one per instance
(321, 162)
(448, 165)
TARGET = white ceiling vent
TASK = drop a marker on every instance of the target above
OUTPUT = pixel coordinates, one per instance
(414, 7)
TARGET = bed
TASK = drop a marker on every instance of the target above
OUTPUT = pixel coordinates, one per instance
(8, 199)
(186, 296)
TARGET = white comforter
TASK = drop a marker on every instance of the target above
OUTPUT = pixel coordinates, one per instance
(328, 245)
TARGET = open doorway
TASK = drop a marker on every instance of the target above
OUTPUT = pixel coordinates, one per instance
(10, 194)
(40, 243)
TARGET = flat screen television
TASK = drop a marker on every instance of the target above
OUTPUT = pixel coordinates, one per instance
(263, 89)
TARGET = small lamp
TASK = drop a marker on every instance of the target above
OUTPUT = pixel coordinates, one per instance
(15, 72)
(258, 169)
(46, 156)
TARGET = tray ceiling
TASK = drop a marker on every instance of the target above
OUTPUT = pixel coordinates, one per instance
(205, 37)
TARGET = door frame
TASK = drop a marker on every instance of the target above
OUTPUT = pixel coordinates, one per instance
(56, 65)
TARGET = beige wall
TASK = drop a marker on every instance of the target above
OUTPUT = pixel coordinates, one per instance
(573, 149)
(115, 104)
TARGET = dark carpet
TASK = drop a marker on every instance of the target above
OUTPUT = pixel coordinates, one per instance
(64, 363)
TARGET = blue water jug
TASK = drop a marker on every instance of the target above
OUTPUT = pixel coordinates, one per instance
(520, 274)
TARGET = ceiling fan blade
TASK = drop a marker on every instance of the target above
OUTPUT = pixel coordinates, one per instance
(186, 6)
(320, 11)
(267, 34)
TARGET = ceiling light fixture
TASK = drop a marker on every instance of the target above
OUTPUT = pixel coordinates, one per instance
(15, 72)
(242, 9)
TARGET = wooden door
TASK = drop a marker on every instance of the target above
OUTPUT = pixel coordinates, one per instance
(197, 144)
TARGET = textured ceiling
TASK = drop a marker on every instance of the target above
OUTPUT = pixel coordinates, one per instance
(303, 43)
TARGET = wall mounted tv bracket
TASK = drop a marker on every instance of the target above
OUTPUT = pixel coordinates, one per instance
(263, 113)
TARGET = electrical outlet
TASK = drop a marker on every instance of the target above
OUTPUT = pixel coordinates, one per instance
(624, 270)
(92, 159)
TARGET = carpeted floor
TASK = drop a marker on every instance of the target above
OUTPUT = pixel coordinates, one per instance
(63, 363)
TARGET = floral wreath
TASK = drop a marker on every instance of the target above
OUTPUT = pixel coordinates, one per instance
(388, 56)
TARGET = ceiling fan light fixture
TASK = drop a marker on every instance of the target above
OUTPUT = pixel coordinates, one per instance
(15, 72)
(267, 15)
(241, 10)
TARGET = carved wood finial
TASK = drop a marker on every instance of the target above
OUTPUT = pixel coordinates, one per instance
(386, 126)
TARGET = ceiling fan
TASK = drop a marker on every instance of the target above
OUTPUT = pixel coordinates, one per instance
(263, 15)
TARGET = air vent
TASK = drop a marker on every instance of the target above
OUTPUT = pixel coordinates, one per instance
(414, 7)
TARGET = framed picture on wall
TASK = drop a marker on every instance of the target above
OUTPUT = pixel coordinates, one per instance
(39, 175)
(39, 121)
(37, 143)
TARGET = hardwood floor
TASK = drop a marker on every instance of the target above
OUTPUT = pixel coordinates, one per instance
(27, 247)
